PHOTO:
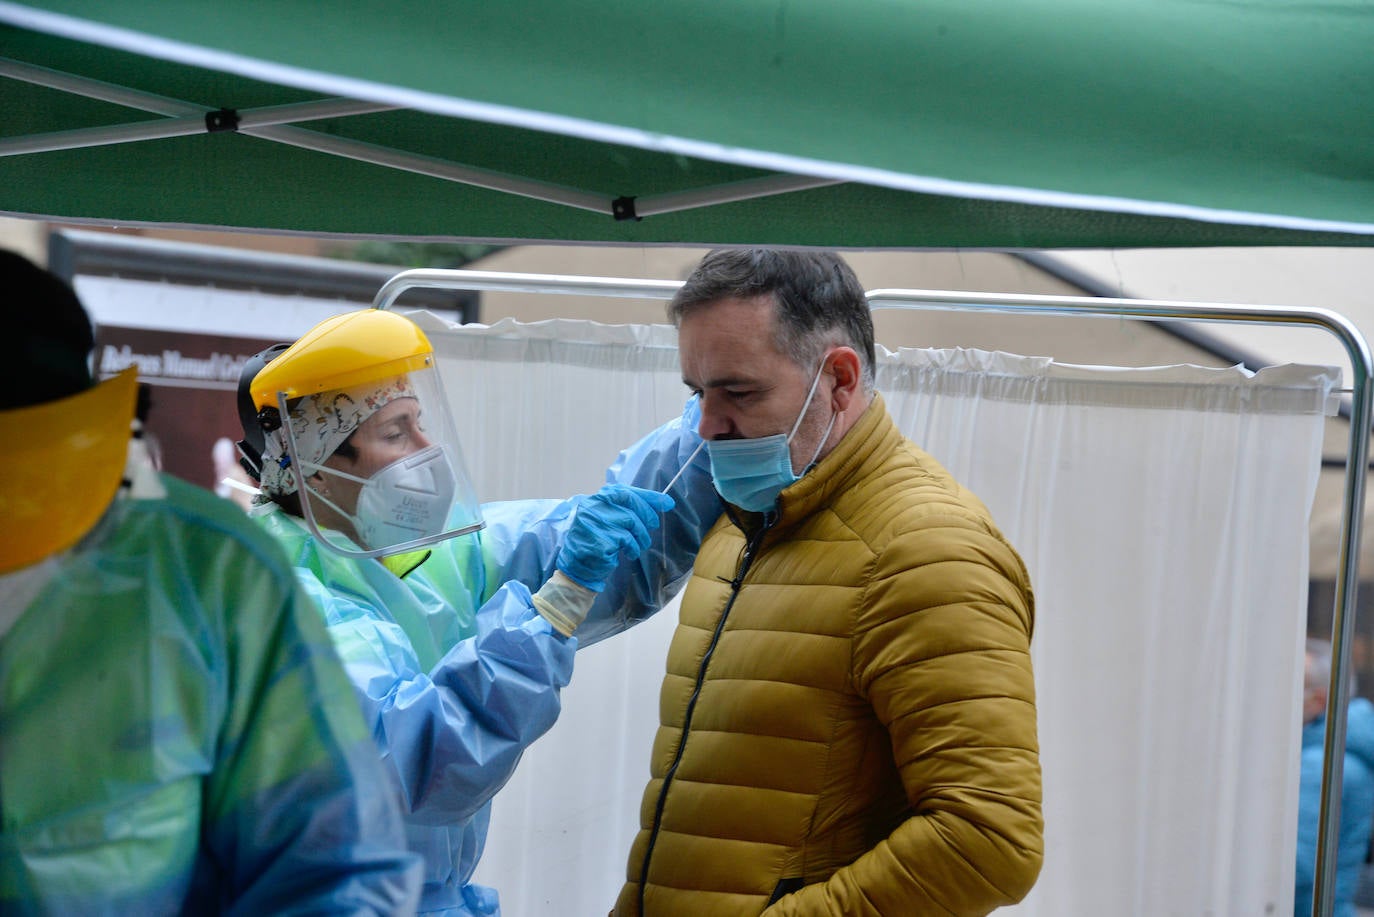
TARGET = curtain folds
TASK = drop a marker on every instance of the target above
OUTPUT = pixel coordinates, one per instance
(1162, 513)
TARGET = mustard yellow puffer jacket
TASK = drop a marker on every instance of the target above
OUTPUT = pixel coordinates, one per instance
(848, 716)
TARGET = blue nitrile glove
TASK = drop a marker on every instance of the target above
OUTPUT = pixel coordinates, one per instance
(617, 518)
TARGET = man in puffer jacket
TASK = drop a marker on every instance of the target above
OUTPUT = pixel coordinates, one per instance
(848, 715)
(1357, 787)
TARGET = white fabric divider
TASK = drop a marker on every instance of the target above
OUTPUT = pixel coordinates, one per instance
(1162, 514)
(542, 408)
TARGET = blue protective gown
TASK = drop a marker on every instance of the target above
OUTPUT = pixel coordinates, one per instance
(1357, 808)
(176, 733)
(456, 671)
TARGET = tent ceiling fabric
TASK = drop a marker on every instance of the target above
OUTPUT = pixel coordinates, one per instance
(949, 123)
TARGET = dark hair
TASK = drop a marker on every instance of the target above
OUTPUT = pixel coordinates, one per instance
(46, 357)
(819, 301)
(346, 449)
(254, 440)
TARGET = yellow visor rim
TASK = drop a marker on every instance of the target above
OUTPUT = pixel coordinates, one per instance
(64, 460)
(356, 348)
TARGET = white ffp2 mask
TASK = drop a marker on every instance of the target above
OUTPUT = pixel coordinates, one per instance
(404, 501)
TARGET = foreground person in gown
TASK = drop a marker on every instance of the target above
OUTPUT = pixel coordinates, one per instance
(177, 735)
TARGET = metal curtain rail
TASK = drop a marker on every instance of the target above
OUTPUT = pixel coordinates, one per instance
(499, 281)
(1343, 618)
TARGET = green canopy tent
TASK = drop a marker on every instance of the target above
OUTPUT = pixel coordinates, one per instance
(857, 124)
(869, 123)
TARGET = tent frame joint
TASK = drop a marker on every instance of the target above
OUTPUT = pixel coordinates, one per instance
(623, 208)
(222, 120)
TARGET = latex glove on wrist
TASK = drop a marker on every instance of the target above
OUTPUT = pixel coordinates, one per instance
(615, 523)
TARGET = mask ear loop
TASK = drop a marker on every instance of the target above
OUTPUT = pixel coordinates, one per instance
(318, 495)
(821, 445)
(298, 469)
(807, 404)
(820, 370)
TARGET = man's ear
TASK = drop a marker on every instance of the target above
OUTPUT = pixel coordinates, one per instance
(848, 373)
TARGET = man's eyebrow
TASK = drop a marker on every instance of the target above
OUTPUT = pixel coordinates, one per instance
(724, 382)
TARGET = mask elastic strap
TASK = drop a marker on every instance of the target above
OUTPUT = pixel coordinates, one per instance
(821, 445)
(315, 494)
(325, 469)
(807, 404)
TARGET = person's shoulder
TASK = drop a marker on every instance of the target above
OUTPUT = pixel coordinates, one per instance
(1358, 784)
(1359, 716)
(195, 513)
(198, 506)
(916, 492)
(901, 468)
(912, 512)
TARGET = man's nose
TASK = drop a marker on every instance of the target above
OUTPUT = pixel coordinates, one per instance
(715, 421)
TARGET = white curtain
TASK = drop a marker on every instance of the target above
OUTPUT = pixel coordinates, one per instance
(1162, 514)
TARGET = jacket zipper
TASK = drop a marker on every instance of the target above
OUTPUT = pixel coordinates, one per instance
(750, 549)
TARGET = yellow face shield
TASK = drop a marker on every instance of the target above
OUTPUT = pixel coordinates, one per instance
(63, 464)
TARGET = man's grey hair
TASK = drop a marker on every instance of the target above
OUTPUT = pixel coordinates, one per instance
(820, 303)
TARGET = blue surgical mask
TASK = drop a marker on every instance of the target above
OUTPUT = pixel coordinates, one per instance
(750, 473)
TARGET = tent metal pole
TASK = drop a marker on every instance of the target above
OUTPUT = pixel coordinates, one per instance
(249, 121)
(269, 129)
(97, 89)
(532, 188)
(436, 168)
(175, 108)
(653, 204)
(1343, 615)
(161, 129)
(278, 132)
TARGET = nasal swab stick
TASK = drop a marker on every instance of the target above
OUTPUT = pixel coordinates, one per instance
(683, 468)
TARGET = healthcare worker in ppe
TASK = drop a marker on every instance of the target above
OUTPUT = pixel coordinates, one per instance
(457, 622)
(176, 733)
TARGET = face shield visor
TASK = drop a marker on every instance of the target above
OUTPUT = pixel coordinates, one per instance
(375, 462)
(64, 464)
(395, 481)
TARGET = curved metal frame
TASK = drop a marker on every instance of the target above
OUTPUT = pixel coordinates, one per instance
(499, 281)
(1343, 618)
